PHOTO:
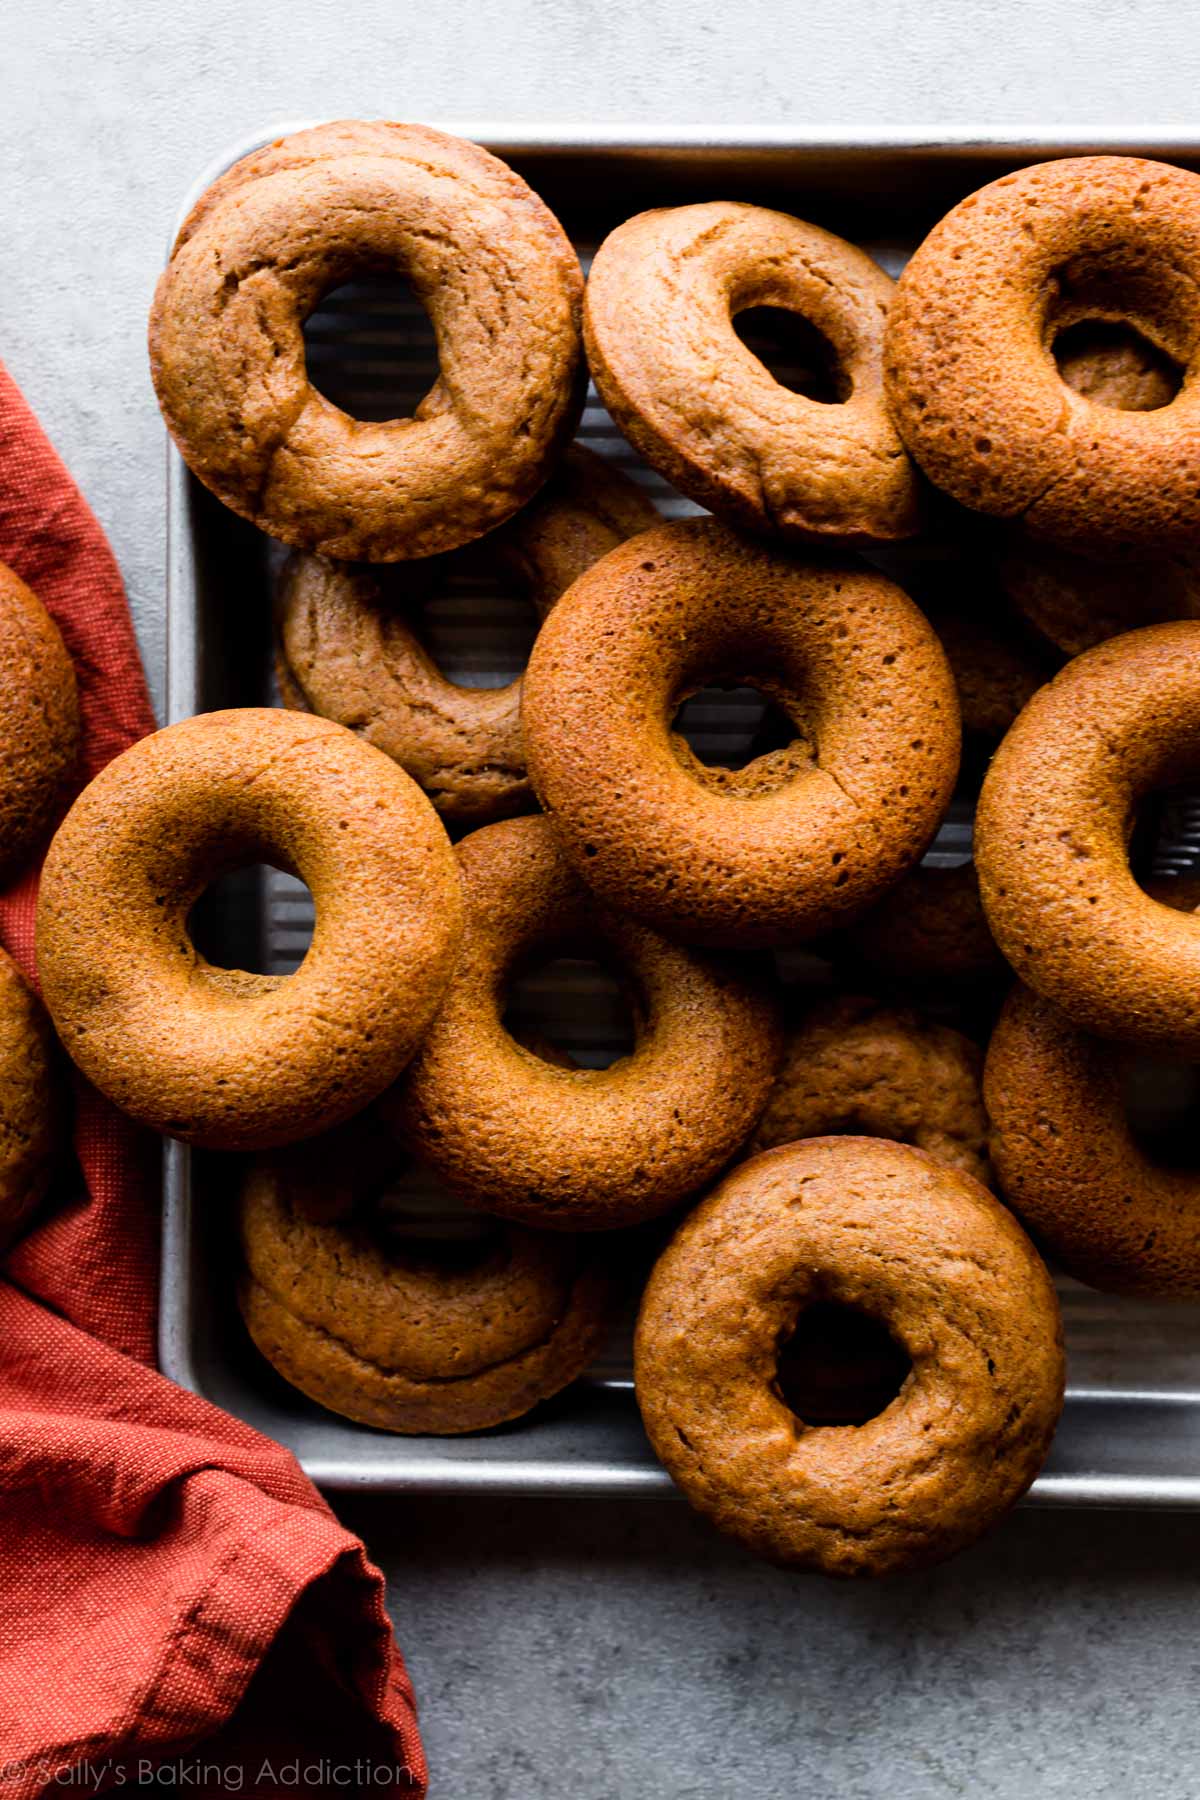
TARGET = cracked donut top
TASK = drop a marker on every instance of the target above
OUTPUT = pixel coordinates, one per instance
(349, 646)
(969, 352)
(493, 269)
(855, 1067)
(662, 296)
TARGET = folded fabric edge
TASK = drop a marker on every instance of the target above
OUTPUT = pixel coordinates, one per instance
(218, 1643)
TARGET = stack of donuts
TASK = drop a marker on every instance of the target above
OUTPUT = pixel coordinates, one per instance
(971, 534)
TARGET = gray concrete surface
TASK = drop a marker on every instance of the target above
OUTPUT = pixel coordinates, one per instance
(609, 1652)
(620, 1650)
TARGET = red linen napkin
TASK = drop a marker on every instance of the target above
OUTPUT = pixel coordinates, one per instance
(160, 1562)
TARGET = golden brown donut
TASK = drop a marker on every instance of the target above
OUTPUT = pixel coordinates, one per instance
(801, 837)
(1051, 836)
(391, 1334)
(855, 1067)
(485, 257)
(1070, 1165)
(930, 928)
(347, 649)
(890, 1232)
(39, 719)
(662, 296)
(31, 1101)
(1076, 601)
(222, 1057)
(970, 370)
(579, 1148)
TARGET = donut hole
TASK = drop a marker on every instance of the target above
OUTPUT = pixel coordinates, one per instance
(1162, 1105)
(415, 1218)
(793, 352)
(1113, 365)
(1162, 842)
(948, 850)
(570, 1011)
(370, 348)
(256, 919)
(839, 1366)
(475, 622)
(730, 726)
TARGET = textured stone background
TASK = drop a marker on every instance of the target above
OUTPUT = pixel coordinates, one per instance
(620, 1652)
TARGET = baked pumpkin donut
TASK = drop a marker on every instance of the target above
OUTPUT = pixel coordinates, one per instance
(801, 837)
(970, 370)
(1070, 1165)
(348, 651)
(662, 295)
(39, 719)
(579, 1148)
(891, 1233)
(482, 253)
(855, 1067)
(392, 1334)
(222, 1057)
(1076, 601)
(31, 1102)
(929, 929)
(1051, 836)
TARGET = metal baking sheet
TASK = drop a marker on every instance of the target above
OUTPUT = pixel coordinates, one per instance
(1130, 1434)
